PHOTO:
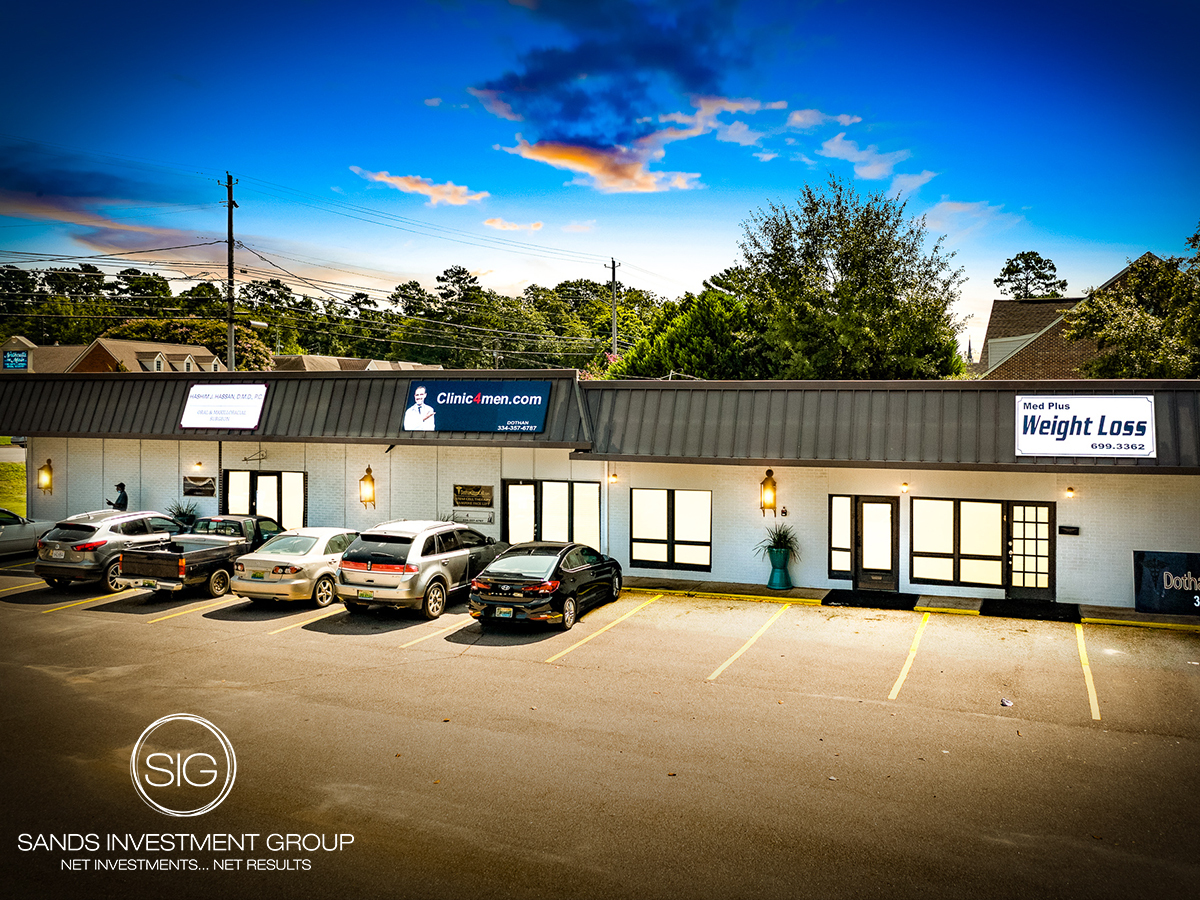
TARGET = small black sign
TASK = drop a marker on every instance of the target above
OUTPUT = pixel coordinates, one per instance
(1166, 582)
(478, 495)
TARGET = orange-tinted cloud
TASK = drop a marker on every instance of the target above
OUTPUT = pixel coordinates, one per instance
(501, 225)
(454, 194)
(609, 169)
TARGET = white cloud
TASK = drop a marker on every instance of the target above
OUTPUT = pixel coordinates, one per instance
(868, 163)
(580, 227)
(957, 218)
(766, 155)
(434, 101)
(738, 133)
(906, 184)
(803, 119)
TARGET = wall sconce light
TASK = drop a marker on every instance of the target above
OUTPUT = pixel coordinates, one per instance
(45, 478)
(904, 487)
(767, 494)
(1070, 492)
(612, 477)
(198, 466)
(366, 489)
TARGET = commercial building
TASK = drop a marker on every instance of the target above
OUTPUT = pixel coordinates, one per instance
(1035, 490)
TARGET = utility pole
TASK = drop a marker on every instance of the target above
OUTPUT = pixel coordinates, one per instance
(614, 303)
(229, 183)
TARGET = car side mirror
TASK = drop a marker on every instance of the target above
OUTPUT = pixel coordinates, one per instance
(490, 540)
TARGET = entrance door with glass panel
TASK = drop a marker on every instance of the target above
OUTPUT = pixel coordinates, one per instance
(1030, 570)
(551, 511)
(280, 495)
(877, 544)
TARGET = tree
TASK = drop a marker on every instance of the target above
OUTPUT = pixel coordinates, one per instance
(843, 286)
(701, 342)
(1147, 323)
(1029, 275)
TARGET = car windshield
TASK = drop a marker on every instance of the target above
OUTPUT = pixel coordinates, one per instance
(288, 544)
(67, 532)
(524, 565)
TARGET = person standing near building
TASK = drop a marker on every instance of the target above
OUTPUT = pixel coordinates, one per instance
(122, 502)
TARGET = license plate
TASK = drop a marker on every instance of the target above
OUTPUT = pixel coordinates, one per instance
(258, 575)
(150, 584)
(503, 612)
(57, 554)
(365, 595)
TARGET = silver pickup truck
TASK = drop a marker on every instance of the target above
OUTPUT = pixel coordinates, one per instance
(203, 556)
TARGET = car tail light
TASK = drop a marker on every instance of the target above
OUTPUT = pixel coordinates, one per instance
(91, 545)
(405, 569)
(182, 568)
(238, 567)
(285, 570)
(546, 587)
(477, 585)
(351, 564)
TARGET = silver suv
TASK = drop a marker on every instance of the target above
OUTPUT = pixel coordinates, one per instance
(87, 547)
(417, 564)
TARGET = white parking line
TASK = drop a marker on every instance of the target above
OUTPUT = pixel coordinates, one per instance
(746, 646)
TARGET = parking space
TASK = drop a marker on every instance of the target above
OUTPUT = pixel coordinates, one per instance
(1115, 677)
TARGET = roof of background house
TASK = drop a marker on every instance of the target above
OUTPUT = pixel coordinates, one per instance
(1024, 337)
(306, 362)
(136, 356)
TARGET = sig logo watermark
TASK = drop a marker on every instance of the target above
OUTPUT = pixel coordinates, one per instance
(183, 765)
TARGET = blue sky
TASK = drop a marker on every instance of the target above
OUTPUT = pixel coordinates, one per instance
(532, 140)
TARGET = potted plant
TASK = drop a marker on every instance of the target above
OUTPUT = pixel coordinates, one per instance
(183, 512)
(780, 546)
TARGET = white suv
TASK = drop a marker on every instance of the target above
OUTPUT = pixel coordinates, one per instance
(416, 564)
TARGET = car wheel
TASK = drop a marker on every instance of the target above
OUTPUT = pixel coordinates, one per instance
(569, 614)
(355, 608)
(615, 589)
(218, 583)
(111, 574)
(324, 593)
(435, 600)
(57, 582)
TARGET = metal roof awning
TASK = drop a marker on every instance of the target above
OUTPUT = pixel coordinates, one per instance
(331, 407)
(897, 424)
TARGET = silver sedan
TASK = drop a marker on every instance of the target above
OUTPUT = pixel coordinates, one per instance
(19, 534)
(299, 564)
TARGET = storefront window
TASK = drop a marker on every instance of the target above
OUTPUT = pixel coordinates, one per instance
(552, 511)
(841, 536)
(671, 529)
(957, 541)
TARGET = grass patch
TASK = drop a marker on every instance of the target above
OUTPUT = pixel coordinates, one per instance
(8, 440)
(12, 486)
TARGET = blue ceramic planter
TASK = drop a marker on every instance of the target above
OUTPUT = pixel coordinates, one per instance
(779, 580)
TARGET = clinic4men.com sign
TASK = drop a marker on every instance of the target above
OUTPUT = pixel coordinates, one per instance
(477, 406)
(1091, 425)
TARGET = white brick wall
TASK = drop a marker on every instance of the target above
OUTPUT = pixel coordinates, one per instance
(1116, 514)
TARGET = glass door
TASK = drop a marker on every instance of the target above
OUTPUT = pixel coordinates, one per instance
(1029, 573)
(877, 550)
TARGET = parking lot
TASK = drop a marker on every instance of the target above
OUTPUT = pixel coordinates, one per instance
(696, 746)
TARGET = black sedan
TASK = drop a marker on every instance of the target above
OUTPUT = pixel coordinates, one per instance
(544, 581)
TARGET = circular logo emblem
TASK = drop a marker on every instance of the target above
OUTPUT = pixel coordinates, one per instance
(183, 765)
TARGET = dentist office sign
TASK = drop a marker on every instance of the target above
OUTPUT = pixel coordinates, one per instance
(1091, 425)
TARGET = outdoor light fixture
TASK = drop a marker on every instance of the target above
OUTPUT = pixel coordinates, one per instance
(1070, 492)
(45, 478)
(366, 489)
(767, 494)
(612, 477)
(198, 466)
(904, 487)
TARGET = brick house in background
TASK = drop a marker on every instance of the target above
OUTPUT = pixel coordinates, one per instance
(1025, 340)
(108, 355)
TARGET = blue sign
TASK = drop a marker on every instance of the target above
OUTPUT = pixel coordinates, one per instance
(1166, 582)
(476, 406)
